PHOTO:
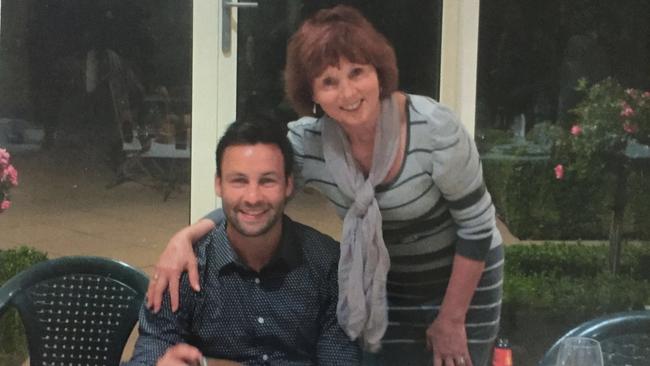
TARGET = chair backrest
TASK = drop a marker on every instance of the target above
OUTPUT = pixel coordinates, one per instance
(624, 338)
(76, 310)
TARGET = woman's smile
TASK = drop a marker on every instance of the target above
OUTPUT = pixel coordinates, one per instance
(352, 107)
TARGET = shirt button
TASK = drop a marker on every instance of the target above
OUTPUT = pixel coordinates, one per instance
(265, 357)
(257, 280)
(260, 320)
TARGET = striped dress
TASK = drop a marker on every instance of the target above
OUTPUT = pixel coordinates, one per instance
(436, 206)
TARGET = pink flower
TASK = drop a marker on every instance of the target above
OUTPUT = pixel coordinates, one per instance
(576, 130)
(627, 110)
(646, 94)
(4, 206)
(4, 158)
(11, 173)
(559, 171)
(630, 127)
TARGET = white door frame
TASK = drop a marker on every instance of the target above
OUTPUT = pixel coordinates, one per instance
(214, 84)
(459, 55)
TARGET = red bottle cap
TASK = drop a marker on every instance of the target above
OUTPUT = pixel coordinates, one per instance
(502, 357)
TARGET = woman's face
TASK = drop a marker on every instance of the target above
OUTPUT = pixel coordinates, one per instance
(349, 93)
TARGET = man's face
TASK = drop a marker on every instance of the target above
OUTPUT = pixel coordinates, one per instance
(253, 188)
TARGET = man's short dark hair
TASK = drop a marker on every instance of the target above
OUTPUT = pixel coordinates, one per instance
(258, 131)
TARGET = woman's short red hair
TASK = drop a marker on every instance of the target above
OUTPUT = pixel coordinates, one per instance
(322, 40)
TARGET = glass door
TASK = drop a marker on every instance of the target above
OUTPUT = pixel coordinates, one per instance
(95, 112)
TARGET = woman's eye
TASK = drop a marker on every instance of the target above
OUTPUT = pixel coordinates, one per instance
(356, 71)
(329, 82)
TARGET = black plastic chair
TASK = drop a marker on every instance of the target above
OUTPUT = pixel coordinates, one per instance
(76, 310)
(624, 338)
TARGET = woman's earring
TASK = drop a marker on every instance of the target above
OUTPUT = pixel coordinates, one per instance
(313, 110)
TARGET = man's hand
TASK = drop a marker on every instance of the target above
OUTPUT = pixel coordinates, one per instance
(186, 355)
(181, 355)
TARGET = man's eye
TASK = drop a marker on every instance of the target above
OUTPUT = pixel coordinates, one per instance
(268, 182)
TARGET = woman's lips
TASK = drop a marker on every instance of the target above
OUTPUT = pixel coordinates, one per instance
(352, 107)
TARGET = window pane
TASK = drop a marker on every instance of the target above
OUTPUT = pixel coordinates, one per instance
(565, 165)
(95, 110)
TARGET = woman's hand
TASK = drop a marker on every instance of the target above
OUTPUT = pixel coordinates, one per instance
(177, 257)
(447, 339)
(446, 336)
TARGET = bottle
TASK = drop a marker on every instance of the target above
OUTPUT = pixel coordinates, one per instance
(502, 353)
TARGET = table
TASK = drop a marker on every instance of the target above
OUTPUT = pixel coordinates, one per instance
(162, 164)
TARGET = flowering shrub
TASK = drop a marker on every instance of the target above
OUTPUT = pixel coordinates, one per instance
(609, 117)
(8, 179)
(593, 152)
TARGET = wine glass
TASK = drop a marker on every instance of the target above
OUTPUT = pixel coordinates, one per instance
(580, 351)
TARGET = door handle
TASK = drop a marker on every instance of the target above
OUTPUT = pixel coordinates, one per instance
(241, 5)
(226, 21)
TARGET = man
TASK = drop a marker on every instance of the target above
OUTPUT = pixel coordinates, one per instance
(269, 285)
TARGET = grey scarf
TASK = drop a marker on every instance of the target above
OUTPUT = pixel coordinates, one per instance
(363, 267)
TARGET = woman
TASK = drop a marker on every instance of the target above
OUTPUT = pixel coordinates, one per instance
(407, 179)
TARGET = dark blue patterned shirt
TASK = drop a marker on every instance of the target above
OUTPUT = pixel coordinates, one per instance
(283, 315)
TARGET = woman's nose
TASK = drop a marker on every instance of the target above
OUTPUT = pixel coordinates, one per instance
(346, 88)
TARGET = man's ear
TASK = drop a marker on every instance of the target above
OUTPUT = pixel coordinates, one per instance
(289, 186)
(217, 185)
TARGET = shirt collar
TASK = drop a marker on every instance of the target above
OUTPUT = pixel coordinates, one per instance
(289, 251)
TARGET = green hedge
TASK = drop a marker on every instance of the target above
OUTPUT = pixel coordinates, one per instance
(571, 280)
(535, 205)
(575, 260)
(12, 336)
